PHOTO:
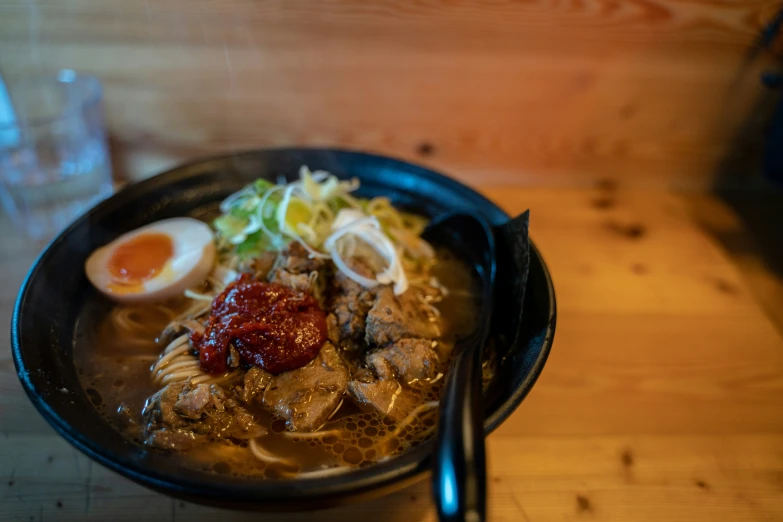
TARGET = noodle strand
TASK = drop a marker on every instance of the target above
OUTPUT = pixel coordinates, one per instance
(264, 456)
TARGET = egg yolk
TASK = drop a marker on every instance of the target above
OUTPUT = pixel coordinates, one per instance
(140, 258)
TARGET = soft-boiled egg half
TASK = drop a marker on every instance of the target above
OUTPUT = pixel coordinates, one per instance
(153, 263)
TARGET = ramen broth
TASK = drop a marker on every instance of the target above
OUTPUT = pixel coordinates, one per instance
(114, 368)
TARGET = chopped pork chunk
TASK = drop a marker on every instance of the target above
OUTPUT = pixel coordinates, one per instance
(306, 397)
(409, 360)
(392, 318)
(350, 304)
(182, 413)
(387, 397)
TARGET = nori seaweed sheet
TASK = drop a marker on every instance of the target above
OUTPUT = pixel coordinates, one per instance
(513, 266)
(512, 247)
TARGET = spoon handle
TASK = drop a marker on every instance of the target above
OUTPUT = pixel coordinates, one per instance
(459, 470)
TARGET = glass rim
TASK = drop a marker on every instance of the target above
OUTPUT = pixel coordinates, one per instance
(88, 98)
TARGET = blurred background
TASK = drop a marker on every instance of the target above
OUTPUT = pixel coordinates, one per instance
(646, 137)
(657, 93)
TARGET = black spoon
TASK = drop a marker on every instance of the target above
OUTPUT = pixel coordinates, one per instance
(459, 466)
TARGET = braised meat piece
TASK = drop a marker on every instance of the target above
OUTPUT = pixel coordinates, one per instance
(296, 270)
(392, 318)
(255, 382)
(296, 260)
(332, 330)
(233, 358)
(307, 396)
(193, 403)
(409, 360)
(183, 413)
(385, 396)
(159, 411)
(176, 328)
(350, 304)
(263, 264)
(362, 375)
(298, 282)
(259, 266)
(166, 438)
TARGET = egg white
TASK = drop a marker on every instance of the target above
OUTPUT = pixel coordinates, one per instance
(192, 260)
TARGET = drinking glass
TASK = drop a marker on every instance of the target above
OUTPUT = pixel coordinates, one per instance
(54, 160)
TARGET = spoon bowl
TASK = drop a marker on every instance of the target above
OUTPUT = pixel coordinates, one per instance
(459, 464)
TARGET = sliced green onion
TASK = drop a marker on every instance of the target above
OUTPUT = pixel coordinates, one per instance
(318, 211)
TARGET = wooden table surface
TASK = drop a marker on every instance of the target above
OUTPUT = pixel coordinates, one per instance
(661, 400)
(570, 91)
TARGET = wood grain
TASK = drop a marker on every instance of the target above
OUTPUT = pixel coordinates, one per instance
(648, 92)
(747, 227)
(660, 400)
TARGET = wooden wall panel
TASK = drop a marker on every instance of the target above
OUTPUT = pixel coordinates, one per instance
(648, 92)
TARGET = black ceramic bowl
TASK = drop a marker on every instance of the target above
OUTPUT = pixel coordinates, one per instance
(56, 290)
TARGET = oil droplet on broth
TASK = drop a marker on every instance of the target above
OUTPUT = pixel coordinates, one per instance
(352, 456)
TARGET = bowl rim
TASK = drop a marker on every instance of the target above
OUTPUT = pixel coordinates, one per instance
(406, 468)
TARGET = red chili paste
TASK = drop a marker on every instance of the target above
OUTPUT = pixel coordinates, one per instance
(271, 326)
